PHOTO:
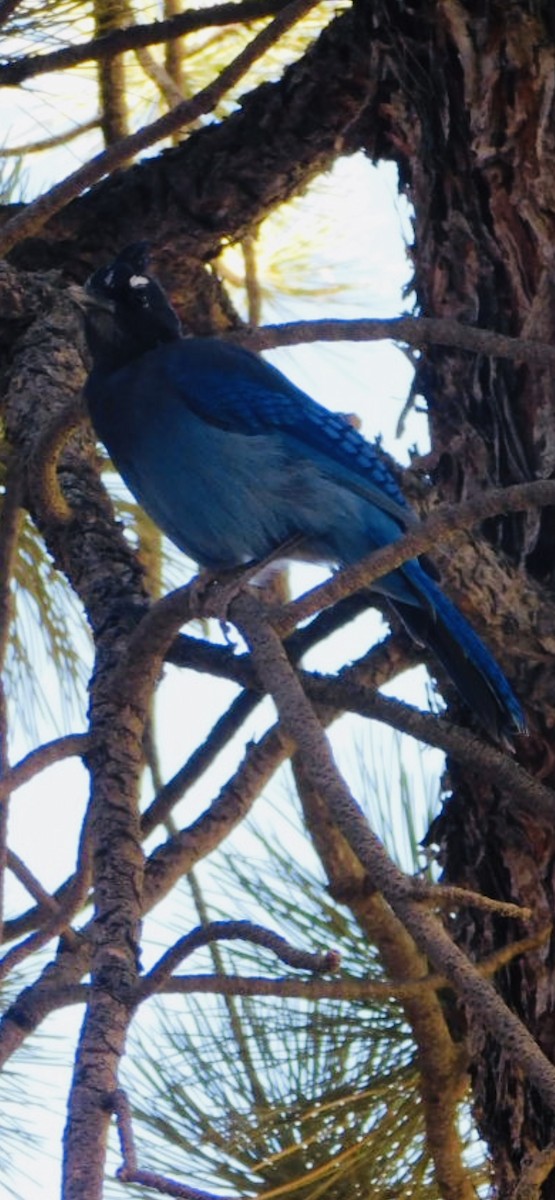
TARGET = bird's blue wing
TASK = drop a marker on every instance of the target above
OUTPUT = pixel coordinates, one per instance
(235, 390)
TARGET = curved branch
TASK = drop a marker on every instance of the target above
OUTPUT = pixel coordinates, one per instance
(245, 931)
(130, 1172)
(70, 746)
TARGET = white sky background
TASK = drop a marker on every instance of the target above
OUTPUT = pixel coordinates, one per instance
(365, 246)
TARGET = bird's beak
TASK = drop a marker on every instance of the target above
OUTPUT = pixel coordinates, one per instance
(85, 299)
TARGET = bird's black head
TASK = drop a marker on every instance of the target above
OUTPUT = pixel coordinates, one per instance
(127, 312)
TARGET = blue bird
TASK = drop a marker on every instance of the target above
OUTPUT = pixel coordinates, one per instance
(232, 461)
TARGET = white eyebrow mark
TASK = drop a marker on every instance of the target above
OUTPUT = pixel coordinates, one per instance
(109, 278)
(138, 281)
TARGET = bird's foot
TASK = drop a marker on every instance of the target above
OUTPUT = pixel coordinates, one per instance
(215, 591)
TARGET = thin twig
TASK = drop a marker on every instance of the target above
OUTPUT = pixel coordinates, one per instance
(506, 954)
(252, 282)
(445, 896)
(50, 143)
(70, 746)
(119, 40)
(31, 883)
(120, 1107)
(35, 215)
(301, 989)
(246, 931)
(131, 1173)
(157, 72)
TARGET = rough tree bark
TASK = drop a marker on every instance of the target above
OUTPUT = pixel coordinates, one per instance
(465, 107)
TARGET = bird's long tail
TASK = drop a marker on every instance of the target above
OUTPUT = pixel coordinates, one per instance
(465, 658)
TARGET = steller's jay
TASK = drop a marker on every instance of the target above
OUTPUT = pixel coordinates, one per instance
(231, 461)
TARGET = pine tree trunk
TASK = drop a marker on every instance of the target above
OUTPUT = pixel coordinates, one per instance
(467, 110)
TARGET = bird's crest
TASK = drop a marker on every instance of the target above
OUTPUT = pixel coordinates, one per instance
(126, 273)
(140, 306)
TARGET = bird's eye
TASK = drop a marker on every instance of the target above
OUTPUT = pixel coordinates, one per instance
(139, 286)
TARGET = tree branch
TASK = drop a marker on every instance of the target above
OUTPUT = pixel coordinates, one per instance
(301, 724)
(220, 735)
(463, 745)
(246, 931)
(31, 883)
(35, 215)
(52, 142)
(132, 38)
(440, 895)
(70, 746)
(414, 331)
(175, 857)
(346, 988)
(130, 1171)
(444, 524)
